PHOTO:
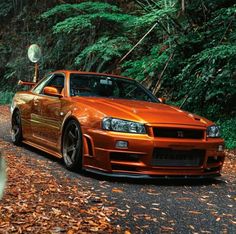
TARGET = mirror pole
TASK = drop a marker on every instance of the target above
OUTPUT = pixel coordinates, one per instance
(36, 73)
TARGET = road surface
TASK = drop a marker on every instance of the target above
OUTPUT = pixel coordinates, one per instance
(43, 197)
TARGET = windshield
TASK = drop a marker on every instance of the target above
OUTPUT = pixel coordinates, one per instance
(108, 87)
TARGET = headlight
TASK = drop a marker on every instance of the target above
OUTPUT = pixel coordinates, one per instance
(119, 125)
(213, 131)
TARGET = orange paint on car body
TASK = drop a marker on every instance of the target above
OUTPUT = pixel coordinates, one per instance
(172, 143)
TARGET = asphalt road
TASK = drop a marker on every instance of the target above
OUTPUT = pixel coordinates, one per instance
(149, 206)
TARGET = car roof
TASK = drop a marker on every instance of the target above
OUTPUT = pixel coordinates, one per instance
(90, 73)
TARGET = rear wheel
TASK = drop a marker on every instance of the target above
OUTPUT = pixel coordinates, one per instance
(16, 128)
(72, 146)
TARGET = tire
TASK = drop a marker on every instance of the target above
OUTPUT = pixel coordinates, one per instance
(72, 146)
(16, 128)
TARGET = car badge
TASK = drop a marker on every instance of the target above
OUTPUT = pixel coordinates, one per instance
(180, 134)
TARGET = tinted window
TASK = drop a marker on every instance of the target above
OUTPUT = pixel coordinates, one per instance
(56, 81)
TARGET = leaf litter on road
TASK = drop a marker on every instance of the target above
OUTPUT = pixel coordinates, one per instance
(41, 197)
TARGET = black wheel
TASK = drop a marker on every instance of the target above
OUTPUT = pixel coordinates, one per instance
(72, 146)
(16, 128)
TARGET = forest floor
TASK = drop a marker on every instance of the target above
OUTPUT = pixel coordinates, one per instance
(41, 196)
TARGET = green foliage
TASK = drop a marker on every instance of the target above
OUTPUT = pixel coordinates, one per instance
(208, 76)
(218, 52)
(101, 52)
(155, 16)
(11, 68)
(147, 66)
(91, 28)
(83, 22)
(83, 16)
(73, 24)
(6, 97)
(228, 129)
(82, 8)
(4, 53)
(5, 8)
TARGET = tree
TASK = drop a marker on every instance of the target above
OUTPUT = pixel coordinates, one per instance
(97, 33)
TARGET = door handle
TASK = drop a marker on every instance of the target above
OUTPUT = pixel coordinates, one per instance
(36, 102)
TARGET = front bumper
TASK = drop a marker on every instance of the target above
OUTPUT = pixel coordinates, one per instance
(102, 156)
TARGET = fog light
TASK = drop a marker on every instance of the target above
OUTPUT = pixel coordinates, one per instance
(220, 148)
(122, 144)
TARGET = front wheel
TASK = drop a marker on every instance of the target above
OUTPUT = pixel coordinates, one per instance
(72, 146)
(16, 128)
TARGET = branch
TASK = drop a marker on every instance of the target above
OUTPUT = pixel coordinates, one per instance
(231, 21)
(158, 84)
(139, 42)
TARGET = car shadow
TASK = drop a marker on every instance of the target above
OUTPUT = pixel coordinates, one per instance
(41, 154)
(157, 181)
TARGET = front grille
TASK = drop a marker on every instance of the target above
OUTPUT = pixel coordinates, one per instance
(177, 158)
(178, 133)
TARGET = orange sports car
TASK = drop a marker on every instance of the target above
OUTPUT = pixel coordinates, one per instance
(112, 125)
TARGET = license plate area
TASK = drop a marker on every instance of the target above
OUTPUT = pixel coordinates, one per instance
(178, 158)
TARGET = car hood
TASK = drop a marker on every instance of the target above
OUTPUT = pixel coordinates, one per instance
(145, 112)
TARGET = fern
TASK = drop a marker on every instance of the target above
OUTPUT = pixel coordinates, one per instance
(101, 52)
(82, 8)
(83, 22)
(154, 16)
(73, 24)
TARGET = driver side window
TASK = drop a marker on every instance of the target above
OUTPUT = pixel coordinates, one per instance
(41, 84)
(56, 81)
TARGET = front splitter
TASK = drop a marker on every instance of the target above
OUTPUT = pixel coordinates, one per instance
(137, 176)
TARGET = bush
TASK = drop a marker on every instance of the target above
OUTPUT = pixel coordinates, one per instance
(228, 130)
(6, 97)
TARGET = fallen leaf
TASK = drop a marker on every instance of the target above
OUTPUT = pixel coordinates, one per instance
(167, 228)
(70, 232)
(154, 208)
(127, 232)
(116, 190)
(195, 212)
(192, 227)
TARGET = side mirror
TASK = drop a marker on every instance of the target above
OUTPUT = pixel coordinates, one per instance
(52, 91)
(162, 100)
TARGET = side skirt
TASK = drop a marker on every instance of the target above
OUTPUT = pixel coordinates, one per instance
(49, 151)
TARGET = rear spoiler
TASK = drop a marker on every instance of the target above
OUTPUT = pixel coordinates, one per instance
(26, 83)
